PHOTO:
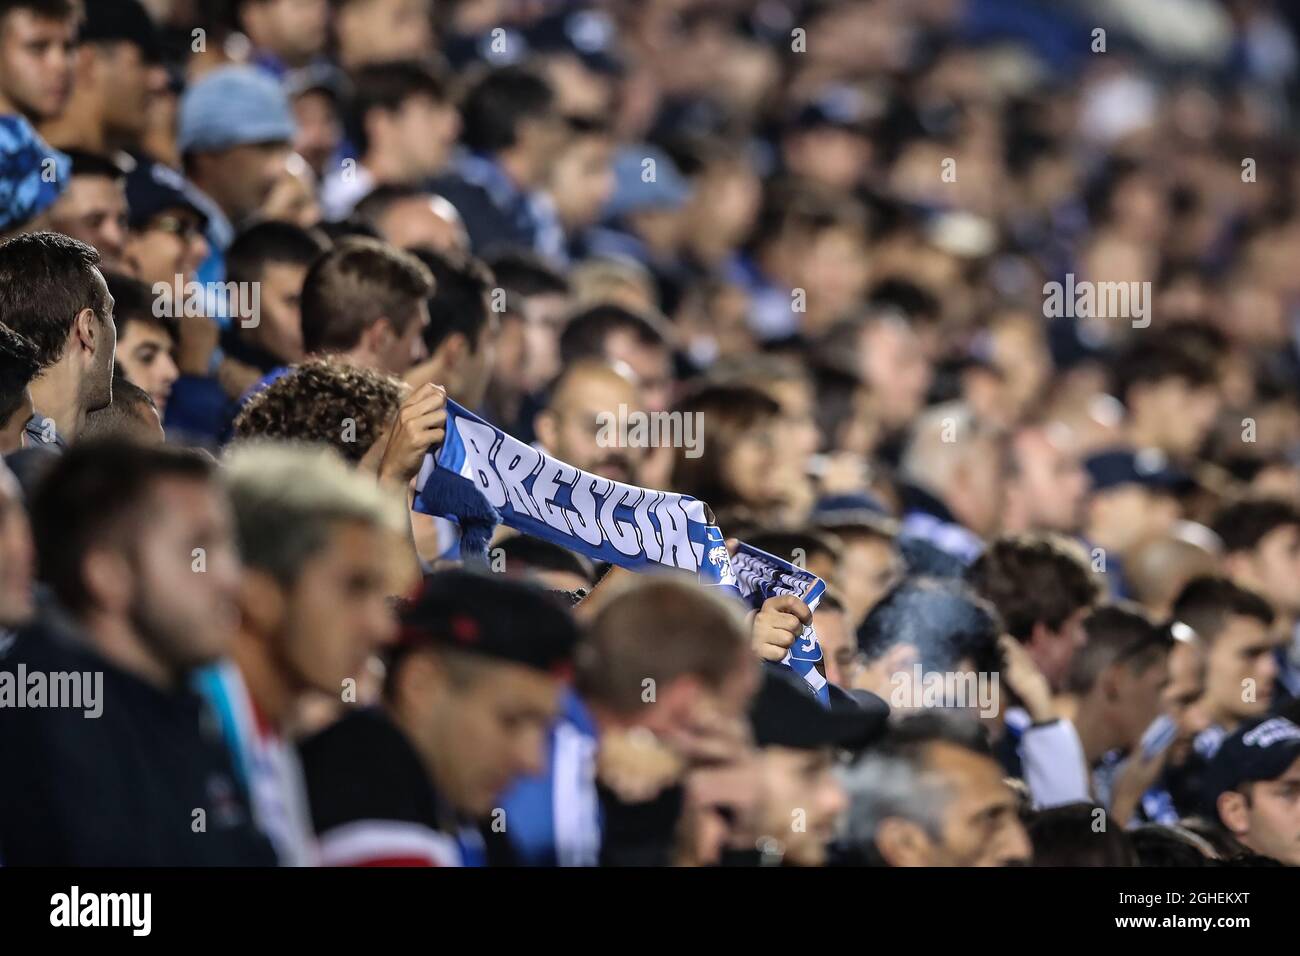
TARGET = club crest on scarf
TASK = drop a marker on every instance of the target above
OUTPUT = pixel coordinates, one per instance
(606, 520)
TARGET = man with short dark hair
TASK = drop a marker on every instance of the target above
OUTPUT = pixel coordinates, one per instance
(1043, 590)
(512, 134)
(1240, 666)
(146, 343)
(131, 416)
(461, 335)
(118, 71)
(403, 125)
(616, 334)
(381, 31)
(276, 256)
(284, 33)
(38, 40)
(368, 302)
(18, 366)
(1261, 552)
(1119, 678)
(121, 531)
(1168, 381)
(53, 294)
(469, 692)
(411, 217)
(93, 207)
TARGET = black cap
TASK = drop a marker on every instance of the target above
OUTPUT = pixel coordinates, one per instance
(837, 107)
(108, 21)
(1260, 750)
(786, 714)
(497, 617)
(1148, 468)
(152, 188)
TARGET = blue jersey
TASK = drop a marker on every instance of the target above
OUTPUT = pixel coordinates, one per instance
(553, 818)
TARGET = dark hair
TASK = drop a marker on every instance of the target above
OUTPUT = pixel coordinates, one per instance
(387, 86)
(1117, 633)
(916, 731)
(272, 241)
(943, 619)
(353, 286)
(586, 331)
(313, 402)
(116, 420)
(526, 273)
(731, 411)
(95, 164)
(461, 284)
(91, 495)
(376, 203)
(18, 366)
(46, 279)
(784, 544)
(522, 550)
(1033, 579)
(133, 301)
(1066, 836)
(1159, 845)
(1163, 356)
(496, 105)
(53, 9)
(1205, 604)
(1243, 525)
(916, 303)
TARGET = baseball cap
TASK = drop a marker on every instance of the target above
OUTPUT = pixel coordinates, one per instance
(1260, 750)
(26, 189)
(110, 21)
(1148, 467)
(233, 106)
(667, 190)
(587, 33)
(152, 188)
(479, 613)
(784, 714)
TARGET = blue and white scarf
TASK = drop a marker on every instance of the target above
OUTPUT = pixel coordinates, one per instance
(606, 520)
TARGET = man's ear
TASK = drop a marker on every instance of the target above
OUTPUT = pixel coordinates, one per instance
(1233, 812)
(262, 601)
(903, 843)
(87, 330)
(108, 578)
(546, 427)
(376, 339)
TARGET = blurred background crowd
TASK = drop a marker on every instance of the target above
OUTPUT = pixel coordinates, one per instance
(846, 235)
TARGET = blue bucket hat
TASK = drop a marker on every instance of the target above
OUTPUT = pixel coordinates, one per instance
(233, 106)
(32, 173)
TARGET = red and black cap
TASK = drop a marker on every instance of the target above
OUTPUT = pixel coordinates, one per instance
(496, 617)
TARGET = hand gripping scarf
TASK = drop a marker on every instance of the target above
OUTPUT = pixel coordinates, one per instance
(481, 475)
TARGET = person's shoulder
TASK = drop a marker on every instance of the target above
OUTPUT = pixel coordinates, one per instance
(363, 767)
